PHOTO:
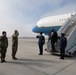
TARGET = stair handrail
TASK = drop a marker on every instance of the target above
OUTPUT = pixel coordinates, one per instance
(67, 49)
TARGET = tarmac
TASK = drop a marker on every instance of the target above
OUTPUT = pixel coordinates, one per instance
(30, 63)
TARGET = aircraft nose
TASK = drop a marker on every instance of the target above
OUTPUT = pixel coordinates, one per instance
(34, 29)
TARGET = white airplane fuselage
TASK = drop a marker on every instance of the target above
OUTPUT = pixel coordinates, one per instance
(45, 25)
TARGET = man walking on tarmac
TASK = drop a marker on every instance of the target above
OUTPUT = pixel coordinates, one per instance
(14, 44)
(53, 36)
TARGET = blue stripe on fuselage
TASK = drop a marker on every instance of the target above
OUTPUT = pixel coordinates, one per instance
(46, 30)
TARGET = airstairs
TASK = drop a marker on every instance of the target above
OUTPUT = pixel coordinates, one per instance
(69, 28)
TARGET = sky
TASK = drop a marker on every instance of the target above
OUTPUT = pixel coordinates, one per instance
(22, 15)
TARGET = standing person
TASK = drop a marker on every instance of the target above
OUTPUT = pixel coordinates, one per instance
(41, 42)
(14, 44)
(63, 44)
(53, 36)
(4, 45)
(0, 46)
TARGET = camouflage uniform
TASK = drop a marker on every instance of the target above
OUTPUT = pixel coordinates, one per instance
(4, 45)
(0, 46)
(14, 45)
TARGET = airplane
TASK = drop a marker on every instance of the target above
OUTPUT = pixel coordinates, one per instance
(45, 25)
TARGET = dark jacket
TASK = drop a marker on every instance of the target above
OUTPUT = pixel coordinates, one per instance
(54, 37)
(63, 42)
(41, 40)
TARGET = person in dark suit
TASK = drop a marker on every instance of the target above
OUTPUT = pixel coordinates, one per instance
(63, 44)
(41, 42)
(53, 36)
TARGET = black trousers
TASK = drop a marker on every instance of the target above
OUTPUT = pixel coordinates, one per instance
(62, 52)
(52, 45)
(40, 49)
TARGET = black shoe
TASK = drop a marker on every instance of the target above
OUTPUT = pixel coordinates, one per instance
(40, 54)
(4, 60)
(14, 58)
(60, 58)
(1, 61)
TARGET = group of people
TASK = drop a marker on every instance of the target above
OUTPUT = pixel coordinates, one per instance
(4, 45)
(54, 38)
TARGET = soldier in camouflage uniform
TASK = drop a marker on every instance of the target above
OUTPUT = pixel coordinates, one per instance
(0, 46)
(14, 44)
(4, 45)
